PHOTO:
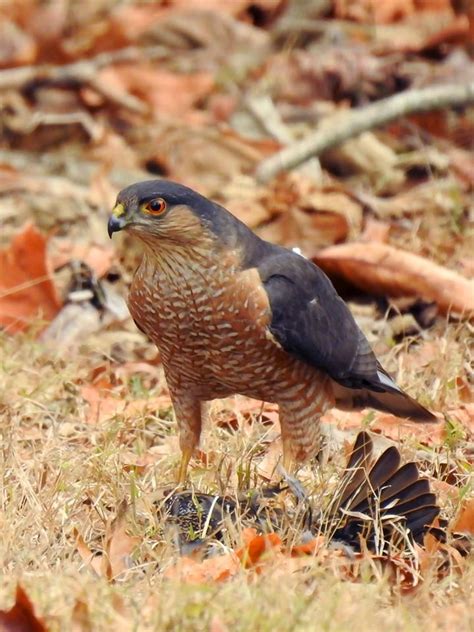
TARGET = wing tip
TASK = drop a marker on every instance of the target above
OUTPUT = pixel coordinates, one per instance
(398, 402)
(402, 405)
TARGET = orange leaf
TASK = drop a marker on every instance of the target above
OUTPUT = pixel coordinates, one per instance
(383, 269)
(168, 93)
(465, 521)
(308, 548)
(250, 554)
(27, 291)
(103, 406)
(248, 534)
(21, 617)
(215, 569)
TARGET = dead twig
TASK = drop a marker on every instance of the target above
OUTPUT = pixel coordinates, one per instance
(340, 127)
(83, 72)
(93, 129)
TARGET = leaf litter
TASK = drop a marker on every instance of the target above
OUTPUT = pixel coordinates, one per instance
(21, 617)
(95, 99)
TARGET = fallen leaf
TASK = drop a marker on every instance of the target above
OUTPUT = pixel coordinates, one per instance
(136, 21)
(125, 371)
(88, 557)
(306, 229)
(217, 625)
(27, 291)
(308, 217)
(244, 199)
(195, 32)
(246, 410)
(465, 520)
(132, 21)
(346, 69)
(21, 617)
(421, 31)
(309, 548)
(385, 270)
(427, 351)
(404, 573)
(434, 196)
(17, 48)
(465, 415)
(211, 570)
(103, 405)
(222, 567)
(119, 545)
(375, 231)
(12, 180)
(205, 158)
(267, 468)
(236, 7)
(462, 162)
(386, 11)
(369, 155)
(256, 545)
(454, 616)
(138, 462)
(80, 617)
(388, 425)
(168, 93)
(46, 24)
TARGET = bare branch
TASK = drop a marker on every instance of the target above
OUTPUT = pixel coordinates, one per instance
(340, 127)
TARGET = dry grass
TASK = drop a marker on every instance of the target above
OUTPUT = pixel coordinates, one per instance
(61, 473)
(66, 471)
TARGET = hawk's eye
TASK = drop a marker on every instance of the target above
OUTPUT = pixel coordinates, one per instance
(155, 207)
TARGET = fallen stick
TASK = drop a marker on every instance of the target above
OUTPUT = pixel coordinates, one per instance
(341, 126)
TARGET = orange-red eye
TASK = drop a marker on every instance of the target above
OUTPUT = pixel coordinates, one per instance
(155, 207)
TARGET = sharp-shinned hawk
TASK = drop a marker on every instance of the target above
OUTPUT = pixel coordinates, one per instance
(231, 313)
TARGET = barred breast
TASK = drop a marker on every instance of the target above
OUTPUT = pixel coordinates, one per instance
(210, 322)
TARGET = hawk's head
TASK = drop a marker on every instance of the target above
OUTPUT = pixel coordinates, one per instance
(164, 211)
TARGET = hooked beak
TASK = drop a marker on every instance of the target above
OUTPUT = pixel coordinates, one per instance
(117, 220)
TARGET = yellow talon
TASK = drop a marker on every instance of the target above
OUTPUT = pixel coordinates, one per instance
(183, 466)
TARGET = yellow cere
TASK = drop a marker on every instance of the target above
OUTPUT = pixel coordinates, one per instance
(119, 210)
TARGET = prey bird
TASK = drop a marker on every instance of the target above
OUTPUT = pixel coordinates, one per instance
(232, 313)
(376, 500)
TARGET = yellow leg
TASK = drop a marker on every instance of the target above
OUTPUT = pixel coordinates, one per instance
(183, 466)
(188, 415)
(287, 458)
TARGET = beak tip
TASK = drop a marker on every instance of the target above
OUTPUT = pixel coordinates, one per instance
(114, 225)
